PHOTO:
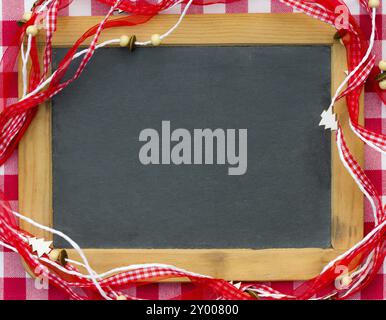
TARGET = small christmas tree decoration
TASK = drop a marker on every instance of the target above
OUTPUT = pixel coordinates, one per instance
(382, 65)
(374, 3)
(118, 12)
(40, 246)
(237, 285)
(32, 31)
(59, 255)
(328, 120)
(156, 40)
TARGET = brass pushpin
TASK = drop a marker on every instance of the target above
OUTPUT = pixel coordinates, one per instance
(59, 255)
(131, 44)
(253, 294)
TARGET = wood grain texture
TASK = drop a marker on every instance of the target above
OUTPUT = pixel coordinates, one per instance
(35, 153)
(230, 264)
(347, 199)
(35, 174)
(210, 29)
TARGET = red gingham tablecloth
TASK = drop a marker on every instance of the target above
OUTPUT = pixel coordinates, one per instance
(16, 284)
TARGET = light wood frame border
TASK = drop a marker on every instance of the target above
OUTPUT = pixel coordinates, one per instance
(35, 176)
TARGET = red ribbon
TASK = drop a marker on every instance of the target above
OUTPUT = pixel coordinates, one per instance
(141, 12)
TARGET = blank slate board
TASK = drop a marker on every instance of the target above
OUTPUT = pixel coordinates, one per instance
(105, 198)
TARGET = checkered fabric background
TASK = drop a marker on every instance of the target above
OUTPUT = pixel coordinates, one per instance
(16, 284)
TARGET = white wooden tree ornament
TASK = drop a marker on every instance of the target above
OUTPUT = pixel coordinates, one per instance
(328, 120)
(40, 246)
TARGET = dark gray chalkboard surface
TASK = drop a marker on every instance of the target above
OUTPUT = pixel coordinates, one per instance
(105, 198)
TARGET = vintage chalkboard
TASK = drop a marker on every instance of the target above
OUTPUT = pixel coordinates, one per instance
(277, 208)
(103, 195)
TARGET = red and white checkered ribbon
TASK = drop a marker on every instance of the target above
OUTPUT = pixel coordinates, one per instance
(317, 11)
(360, 77)
(359, 176)
(94, 42)
(373, 139)
(112, 284)
(13, 127)
(51, 18)
(312, 9)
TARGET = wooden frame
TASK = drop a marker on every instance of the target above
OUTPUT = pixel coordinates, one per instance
(35, 154)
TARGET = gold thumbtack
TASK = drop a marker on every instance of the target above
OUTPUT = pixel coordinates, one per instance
(59, 255)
